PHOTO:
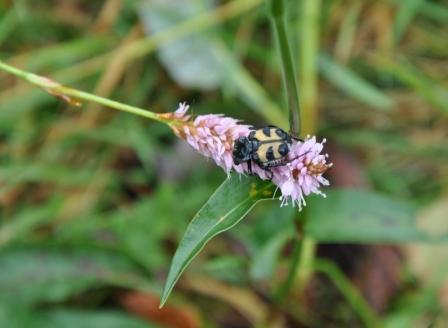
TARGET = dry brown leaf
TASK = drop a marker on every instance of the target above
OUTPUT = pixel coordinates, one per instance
(146, 306)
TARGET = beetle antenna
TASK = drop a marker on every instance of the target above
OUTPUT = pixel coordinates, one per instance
(293, 159)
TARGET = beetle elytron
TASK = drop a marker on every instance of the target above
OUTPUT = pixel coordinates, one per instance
(268, 147)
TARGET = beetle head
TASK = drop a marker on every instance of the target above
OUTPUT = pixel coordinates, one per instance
(242, 150)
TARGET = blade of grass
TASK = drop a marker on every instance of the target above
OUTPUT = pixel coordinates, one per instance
(28, 219)
(411, 76)
(435, 11)
(406, 14)
(62, 54)
(347, 32)
(348, 81)
(350, 293)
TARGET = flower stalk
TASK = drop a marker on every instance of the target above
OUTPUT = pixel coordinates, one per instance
(304, 246)
(74, 96)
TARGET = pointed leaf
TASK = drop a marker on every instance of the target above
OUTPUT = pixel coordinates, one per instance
(226, 207)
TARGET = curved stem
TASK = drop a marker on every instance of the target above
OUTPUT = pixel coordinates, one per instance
(277, 8)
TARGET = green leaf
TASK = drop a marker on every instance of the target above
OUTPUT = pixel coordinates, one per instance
(406, 14)
(266, 258)
(361, 216)
(226, 207)
(88, 319)
(227, 268)
(18, 317)
(28, 276)
(435, 11)
(353, 84)
(7, 25)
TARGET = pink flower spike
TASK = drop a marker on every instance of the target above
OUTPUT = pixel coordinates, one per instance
(213, 135)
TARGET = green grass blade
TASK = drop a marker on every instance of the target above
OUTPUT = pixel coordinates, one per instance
(352, 84)
(406, 13)
(435, 93)
(26, 220)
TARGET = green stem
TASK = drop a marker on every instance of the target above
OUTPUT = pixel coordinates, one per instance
(302, 260)
(277, 8)
(308, 55)
(59, 90)
(305, 268)
(289, 282)
(304, 249)
(13, 70)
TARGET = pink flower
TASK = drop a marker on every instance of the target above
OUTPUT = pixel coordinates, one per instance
(213, 136)
(303, 175)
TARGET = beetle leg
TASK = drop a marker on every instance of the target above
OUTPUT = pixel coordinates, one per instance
(249, 167)
(271, 175)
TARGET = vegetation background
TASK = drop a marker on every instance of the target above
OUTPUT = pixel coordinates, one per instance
(94, 202)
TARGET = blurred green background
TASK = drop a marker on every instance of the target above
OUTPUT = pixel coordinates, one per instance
(93, 202)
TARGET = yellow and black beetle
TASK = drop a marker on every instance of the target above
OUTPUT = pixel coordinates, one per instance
(268, 147)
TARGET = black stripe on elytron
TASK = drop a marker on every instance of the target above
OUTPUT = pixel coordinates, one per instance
(282, 134)
(283, 149)
(267, 131)
(270, 154)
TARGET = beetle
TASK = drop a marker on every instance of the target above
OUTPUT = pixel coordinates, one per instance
(268, 147)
